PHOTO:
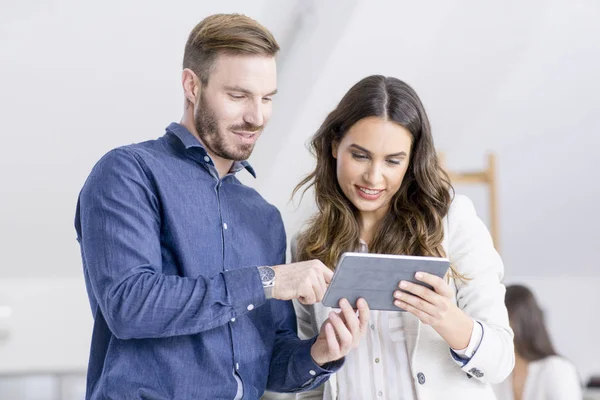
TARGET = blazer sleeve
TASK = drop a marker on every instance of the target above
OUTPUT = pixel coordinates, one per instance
(472, 253)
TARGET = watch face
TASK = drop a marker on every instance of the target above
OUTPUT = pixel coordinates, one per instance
(267, 274)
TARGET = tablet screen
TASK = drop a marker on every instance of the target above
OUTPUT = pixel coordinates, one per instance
(375, 277)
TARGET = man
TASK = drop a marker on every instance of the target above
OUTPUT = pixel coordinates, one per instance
(184, 264)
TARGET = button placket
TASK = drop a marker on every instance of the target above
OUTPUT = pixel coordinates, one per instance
(376, 360)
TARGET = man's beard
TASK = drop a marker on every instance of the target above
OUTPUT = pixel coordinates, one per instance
(215, 141)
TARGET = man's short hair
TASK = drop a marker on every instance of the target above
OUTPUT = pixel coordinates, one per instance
(234, 34)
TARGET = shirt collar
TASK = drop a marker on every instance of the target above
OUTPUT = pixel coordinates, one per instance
(190, 141)
(363, 247)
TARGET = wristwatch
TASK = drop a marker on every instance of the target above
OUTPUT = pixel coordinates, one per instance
(267, 276)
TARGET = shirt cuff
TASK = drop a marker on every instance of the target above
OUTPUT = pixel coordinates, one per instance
(244, 289)
(474, 342)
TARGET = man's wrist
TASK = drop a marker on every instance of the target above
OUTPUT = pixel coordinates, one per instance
(267, 277)
(315, 359)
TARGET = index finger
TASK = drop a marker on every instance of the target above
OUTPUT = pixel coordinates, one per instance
(327, 273)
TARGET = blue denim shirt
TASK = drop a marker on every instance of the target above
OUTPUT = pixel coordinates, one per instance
(169, 253)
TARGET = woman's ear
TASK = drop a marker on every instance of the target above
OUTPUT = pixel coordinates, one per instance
(334, 149)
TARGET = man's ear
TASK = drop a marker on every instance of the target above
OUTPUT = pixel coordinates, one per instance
(190, 84)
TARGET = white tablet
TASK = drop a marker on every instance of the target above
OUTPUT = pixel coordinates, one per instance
(375, 277)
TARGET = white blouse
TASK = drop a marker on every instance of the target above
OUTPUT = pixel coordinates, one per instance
(380, 361)
(551, 378)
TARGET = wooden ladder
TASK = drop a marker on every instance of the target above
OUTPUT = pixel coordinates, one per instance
(486, 176)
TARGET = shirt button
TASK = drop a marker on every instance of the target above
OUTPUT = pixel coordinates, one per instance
(224, 226)
(312, 372)
(250, 307)
(233, 319)
(377, 360)
(373, 327)
(207, 158)
(380, 393)
(421, 378)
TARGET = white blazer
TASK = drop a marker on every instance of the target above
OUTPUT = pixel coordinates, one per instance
(469, 247)
(552, 378)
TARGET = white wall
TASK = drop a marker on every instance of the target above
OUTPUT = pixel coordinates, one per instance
(47, 325)
(79, 78)
(518, 78)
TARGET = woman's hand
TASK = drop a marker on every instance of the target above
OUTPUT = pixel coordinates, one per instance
(436, 308)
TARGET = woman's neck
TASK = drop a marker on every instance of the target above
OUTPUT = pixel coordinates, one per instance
(368, 226)
(520, 362)
(519, 376)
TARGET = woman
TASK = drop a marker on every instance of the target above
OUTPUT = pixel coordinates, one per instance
(539, 374)
(379, 188)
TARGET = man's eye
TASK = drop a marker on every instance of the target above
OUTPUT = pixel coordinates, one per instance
(236, 96)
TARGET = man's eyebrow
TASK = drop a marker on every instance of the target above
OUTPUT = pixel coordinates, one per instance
(246, 91)
(402, 153)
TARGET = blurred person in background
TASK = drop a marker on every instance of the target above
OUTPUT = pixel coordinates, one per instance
(539, 373)
(379, 188)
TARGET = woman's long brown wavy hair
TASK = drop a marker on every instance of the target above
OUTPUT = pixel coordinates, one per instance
(414, 223)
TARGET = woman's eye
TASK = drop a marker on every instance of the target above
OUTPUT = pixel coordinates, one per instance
(394, 162)
(358, 156)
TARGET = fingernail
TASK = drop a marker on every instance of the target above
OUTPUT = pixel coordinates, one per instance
(403, 285)
(418, 275)
(398, 295)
